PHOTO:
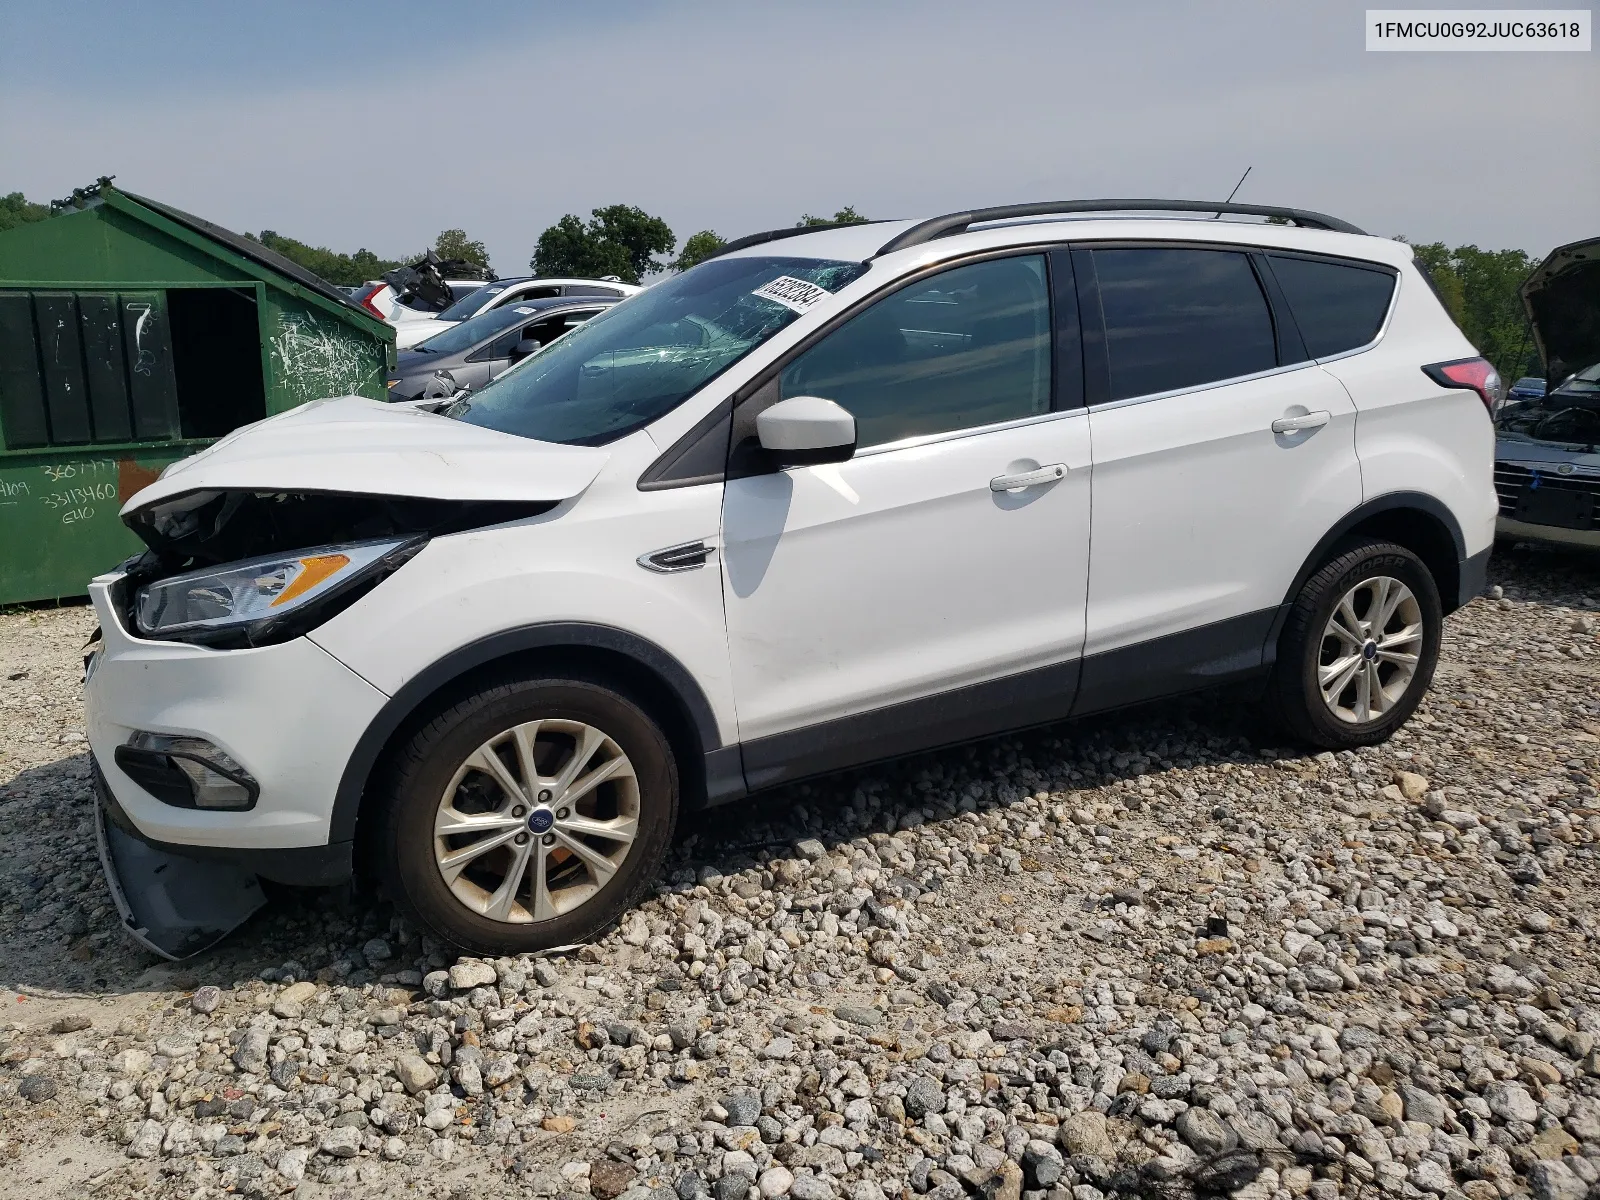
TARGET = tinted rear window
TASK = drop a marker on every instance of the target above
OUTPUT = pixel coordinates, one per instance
(1180, 318)
(1337, 307)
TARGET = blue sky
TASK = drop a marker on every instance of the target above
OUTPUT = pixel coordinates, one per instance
(354, 124)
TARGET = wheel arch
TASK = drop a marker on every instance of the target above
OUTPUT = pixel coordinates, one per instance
(647, 674)
(1419, 522)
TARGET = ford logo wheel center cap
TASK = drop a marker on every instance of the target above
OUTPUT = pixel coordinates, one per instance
(540, 820)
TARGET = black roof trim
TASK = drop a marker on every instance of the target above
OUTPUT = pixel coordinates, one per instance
(253, 250)
(788, 231)
(946, 226)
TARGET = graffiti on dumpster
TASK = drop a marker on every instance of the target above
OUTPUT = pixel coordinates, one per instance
(73, 491)
(316, 359)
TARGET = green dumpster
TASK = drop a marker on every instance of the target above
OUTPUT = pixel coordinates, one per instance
(131, 335)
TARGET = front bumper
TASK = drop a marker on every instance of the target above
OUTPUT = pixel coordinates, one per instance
(291, 714)
(1550, 535)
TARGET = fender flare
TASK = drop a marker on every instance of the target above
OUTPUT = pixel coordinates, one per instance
(459, 662)
(1320, 553)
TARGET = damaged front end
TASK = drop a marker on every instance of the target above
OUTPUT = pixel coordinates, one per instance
(232, 569)
(235, 568)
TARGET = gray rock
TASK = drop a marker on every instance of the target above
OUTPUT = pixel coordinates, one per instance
(470, 973)
(1086, 1134)
(147, 1140)
(1424, 1106)
(870, 1018)
(1042, 1162)
(251, 1054)
(807, 1186)
(1551, 1179)
(342, 1141)
(1204, 1132)
(1511, 1102)
(775, 1182)
(743, 1106)
(1256, 1131)
(37, 1088)
(810, 849)
(415, 1073)
(924, 1096)
(292, 1163)
(206, 999)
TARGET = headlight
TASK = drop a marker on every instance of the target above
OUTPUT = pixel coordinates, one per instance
(256, 591)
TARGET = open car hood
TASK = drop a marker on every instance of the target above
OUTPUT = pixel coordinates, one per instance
(357, 446)
(1562, 300)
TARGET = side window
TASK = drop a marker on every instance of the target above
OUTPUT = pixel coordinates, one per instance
(965, 348)
(1177, 318)
(1337, 307)
(589, 289)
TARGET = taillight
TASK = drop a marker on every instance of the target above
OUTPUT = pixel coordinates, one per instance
(364, 298)
(1477, 374)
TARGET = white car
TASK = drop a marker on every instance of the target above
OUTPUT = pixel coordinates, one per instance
(825, 499)
(379, 299)
(419, 327)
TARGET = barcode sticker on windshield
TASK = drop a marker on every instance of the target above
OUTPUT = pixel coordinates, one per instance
(792, 293)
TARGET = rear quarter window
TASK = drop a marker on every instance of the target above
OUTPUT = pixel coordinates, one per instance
(1338, 306)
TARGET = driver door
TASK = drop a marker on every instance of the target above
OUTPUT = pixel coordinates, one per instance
(908, 597)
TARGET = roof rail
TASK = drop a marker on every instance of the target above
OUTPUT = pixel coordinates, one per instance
(938, 227)
(773, 235)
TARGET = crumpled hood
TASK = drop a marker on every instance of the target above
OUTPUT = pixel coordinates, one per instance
(1562, 300)
(366, 447)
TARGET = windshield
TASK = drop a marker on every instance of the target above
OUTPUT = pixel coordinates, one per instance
(469, 333)
(1585, 383)
(1530, 383)
(471, 302)
(641, 359)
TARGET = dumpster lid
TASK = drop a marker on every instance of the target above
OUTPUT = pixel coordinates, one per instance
(251, 249)
(352, 444)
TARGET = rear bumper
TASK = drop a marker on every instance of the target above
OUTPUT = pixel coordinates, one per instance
(1473, 576)
(1550, 535)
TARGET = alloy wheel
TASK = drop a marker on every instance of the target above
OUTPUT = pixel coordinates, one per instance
(1370, 649)
(536, 821)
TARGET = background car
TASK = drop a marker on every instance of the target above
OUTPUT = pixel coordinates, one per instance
(379, 299)
(1547, 446)
(419, 327)
(1529, 387)
(470, 353)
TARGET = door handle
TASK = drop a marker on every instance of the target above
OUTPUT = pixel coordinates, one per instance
(1310, 420)
(1028, 479)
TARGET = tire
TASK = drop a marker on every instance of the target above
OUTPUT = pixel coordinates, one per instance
(1375, 696)
(444, 779)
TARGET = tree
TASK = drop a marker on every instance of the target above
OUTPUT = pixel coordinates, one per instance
(699, 247)
(16, 210)
(619, 240)
(845, 216)
(1480, 291)
(346, 269)
(454, 243)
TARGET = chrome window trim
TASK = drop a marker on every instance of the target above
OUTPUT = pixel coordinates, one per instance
(950, 435)
(1202, 387)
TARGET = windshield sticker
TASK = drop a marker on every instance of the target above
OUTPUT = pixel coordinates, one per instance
(792, 293)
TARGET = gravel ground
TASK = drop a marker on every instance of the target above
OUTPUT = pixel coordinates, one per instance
(1156, 954)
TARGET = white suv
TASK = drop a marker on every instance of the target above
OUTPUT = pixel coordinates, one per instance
(827, 498)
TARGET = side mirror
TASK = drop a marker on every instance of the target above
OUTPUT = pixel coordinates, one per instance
(806, 431)
(525, 347)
